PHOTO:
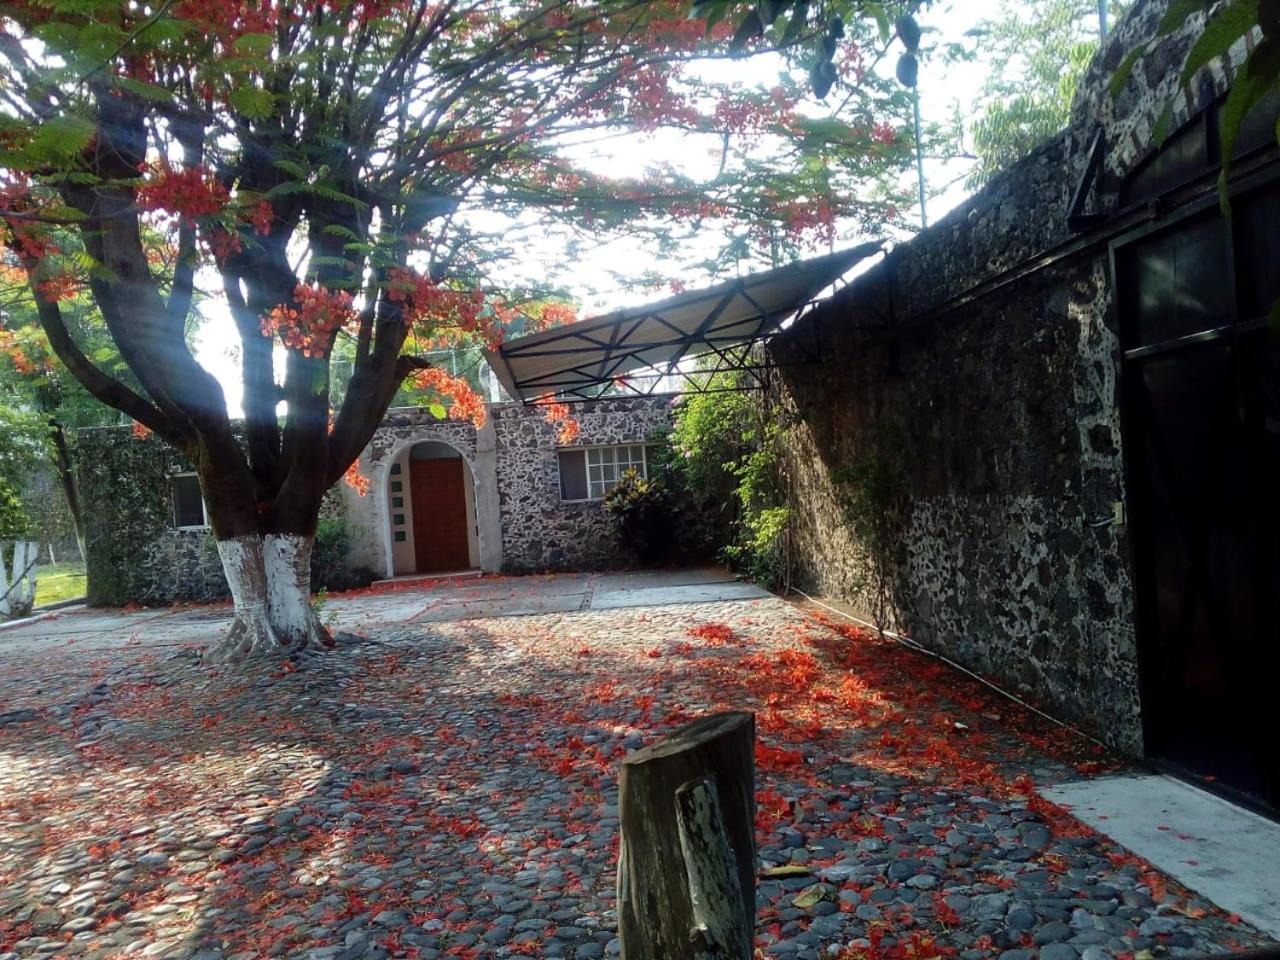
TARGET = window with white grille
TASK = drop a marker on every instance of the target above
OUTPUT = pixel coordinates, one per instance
(588, 473)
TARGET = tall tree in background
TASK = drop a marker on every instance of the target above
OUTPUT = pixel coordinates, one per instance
(1038, 51)
(35, 384)
(20, 438)
(363, 171)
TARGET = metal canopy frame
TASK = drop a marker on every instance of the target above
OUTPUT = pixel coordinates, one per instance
(635, 350)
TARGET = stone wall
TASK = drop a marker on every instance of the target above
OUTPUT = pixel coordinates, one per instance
(539, 531)
(978, 366)
(136, 554)
(996, 428)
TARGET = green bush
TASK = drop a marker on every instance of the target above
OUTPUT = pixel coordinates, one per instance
(329, 568)
(646, 514)
(725, 461)
(13, 515)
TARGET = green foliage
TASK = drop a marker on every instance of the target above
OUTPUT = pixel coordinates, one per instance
(13, 515)
(646, 515)
(125, 519)
(811, 31)
(725, 454)
(21, 443)
(60, 140)
(1038, 51)
(330, 570)
(761, 548)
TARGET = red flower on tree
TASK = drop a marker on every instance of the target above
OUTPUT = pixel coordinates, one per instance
(430, 308)
(559, 416)
(356, 480)
(464, 402)
(310, 327)
(189, 193)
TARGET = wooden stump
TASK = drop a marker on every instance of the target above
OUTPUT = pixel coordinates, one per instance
(687, 864)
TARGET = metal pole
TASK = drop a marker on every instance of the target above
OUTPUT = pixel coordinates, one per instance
(1102, 18)
(924, 216)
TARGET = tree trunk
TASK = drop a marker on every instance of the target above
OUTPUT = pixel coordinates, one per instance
(70, 487)
(686, 868)
(270, 580)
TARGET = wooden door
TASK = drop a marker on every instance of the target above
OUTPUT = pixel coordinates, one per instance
(439, 515)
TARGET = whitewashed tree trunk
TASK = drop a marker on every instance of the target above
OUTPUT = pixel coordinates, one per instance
(287, 560)
(18, 591)
(270, 580)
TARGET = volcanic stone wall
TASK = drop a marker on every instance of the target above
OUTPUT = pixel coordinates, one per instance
(996, 432)
(974, 373)
(539, 532)
(134, 553)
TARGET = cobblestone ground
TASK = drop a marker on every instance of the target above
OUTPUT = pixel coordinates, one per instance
(449, 791)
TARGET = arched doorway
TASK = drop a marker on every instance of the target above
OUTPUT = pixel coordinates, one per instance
(432, 510)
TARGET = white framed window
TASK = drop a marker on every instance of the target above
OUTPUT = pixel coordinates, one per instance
(588, 473)
(189, 511)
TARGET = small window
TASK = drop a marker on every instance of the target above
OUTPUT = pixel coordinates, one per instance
(398, 519)
(401, 536)
(395, 469)
(188, 503)
(397, 503)
(590, 473)
(397, 486)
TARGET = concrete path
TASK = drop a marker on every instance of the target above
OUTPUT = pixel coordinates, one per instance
(1226, 853)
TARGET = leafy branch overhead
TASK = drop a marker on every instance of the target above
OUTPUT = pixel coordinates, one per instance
(812, 30)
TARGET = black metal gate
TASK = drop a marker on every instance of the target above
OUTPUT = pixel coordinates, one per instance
(1201, 407)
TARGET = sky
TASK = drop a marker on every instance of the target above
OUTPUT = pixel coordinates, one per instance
(941, 91)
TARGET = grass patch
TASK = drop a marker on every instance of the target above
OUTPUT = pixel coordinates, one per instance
(59, 581)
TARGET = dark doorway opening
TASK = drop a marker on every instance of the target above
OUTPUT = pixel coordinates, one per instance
(1201, 406)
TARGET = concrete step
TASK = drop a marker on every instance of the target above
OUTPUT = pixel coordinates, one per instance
(406, 579)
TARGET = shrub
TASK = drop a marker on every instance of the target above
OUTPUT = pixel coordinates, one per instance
(330, 570)
(646, 515)
(725, 460)
(13, 515)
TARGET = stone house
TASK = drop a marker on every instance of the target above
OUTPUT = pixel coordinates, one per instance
(443, 496)
(1043, 439)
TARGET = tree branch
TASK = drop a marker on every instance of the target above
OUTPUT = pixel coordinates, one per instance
(101, 385)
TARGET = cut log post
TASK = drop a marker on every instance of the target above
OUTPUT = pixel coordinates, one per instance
(687, 863)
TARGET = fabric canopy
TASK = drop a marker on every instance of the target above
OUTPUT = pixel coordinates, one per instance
(586, 359)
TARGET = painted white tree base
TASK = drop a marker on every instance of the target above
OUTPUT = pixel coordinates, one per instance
(18, 595)
(270, 580)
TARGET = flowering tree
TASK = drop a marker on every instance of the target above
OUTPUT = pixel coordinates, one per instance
(348, 175)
